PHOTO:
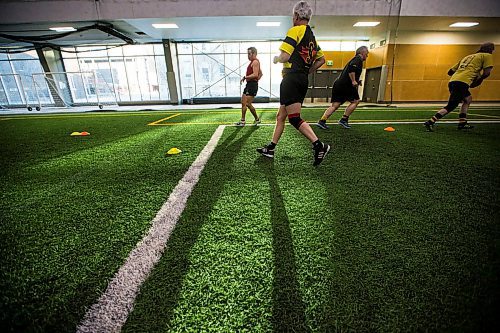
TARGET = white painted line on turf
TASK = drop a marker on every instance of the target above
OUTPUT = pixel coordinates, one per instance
(110, 312)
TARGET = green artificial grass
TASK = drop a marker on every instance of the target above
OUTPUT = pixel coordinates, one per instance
(395, 231)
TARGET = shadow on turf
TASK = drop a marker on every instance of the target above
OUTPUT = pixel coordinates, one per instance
(162, 289)
(288, 306)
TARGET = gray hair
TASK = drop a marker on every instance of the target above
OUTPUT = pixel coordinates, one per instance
(361, 49)
(303, 10)
(252, 50)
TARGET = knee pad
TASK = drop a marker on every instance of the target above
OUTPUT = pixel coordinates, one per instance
(295, 120)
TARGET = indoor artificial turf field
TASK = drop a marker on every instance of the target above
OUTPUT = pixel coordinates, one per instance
(395, 231)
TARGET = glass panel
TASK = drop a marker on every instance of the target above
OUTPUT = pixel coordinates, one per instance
(136, 88)
(186, 76)
(265, 81)
(232, 48)
(135, 50)
(209, 76)
(68, 52)
(200, 48)
(25, 68)
(158, 49)
(3, 56)
(262, 47)
(120, 79)
(161, 69)
(115, 51)
(71, 65)
(10, 84)
(184, 48)
(28, 55)
(233, 86)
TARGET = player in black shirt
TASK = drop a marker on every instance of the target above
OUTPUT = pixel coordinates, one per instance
(345, 88)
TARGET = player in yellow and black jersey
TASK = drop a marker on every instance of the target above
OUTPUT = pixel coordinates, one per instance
(467, 73)
(300, 55)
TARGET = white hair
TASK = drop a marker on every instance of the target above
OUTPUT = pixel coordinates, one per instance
(361, 49)
(303, 10)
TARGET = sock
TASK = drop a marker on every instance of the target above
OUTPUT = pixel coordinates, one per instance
(435, 118)
(462, 118)
(345, 118)
(271, 145)
(324, 118)
(317, 144)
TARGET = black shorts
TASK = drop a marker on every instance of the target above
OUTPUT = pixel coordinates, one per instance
(458, 92)
(293, 88)
(251, 88)
(342, 93)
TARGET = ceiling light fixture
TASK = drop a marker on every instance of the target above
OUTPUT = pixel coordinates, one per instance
(165, 25)
(268, 24)
(62, 29)
(366, 24)
(463, 24)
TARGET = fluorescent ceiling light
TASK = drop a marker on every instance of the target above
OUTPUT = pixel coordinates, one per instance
(165, 26)
(463, 24)
(268, 24)
(366, 24)
(63, 29)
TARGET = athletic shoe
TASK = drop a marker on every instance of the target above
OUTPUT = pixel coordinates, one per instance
(344, 123)
(465, 126)
(240, 123)
(320, 153)
(322, 124)
(266, 151)
(256, 122)
(429, 126)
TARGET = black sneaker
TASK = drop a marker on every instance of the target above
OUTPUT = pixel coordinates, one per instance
(429, 126)
(465, 126)
(320, 153)
(266, 151)
(322, 124)
(344, 123)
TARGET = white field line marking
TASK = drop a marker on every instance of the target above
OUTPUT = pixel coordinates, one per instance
(110, 312)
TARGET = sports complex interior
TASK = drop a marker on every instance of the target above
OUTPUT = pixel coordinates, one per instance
(131, 202)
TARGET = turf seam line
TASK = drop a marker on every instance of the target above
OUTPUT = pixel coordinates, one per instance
(111, 311)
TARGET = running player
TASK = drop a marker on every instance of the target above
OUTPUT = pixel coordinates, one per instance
(345, 88)
(464, 75)
(300, 55)
(252, 77)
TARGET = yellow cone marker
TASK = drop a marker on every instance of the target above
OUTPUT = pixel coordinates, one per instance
(76, 134)
(174, 151)
(389, 129)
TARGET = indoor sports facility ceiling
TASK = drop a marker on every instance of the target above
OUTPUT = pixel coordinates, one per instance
(244, 28)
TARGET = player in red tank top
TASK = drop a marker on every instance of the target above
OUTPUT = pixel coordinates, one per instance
(252, 77)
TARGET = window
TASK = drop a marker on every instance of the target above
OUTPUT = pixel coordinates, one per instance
(18, 85)
(127, 73)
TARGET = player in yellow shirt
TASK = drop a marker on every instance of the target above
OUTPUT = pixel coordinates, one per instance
(464, 75)
(300, 55)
